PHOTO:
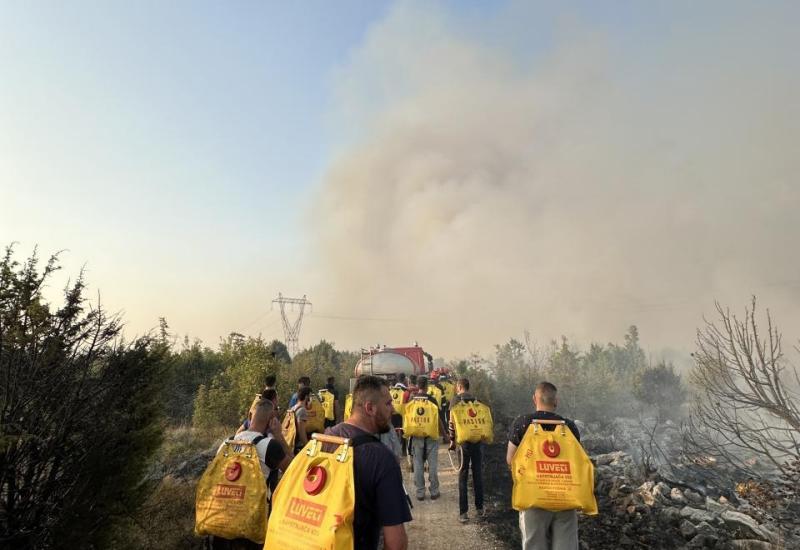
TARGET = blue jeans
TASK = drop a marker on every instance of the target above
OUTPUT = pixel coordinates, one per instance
(472, 455)
(426, 449)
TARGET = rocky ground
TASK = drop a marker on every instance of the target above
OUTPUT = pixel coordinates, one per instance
(640, 504)
(642, 508)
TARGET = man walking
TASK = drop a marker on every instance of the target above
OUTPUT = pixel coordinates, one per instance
(381, 507)
(542, 529)
(471, 454)
(426, 449)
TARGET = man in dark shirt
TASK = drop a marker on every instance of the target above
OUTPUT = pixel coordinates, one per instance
(541, 529)
(381, 503)
(471, 454)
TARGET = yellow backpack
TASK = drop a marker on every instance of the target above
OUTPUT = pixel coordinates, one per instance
(327, 403)
(315, 423)
(421, 419)
(289, 428)
(436, 393)
(449, 390)
(397, 400)
(348, 406)
(551, 471)
(313, 505)
(472, 421)
(231, 498)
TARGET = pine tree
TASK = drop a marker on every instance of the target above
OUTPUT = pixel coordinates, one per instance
(79, 413)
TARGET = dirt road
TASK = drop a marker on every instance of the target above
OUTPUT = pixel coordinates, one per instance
(436, 525)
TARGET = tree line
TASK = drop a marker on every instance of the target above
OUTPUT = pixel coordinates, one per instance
(83, 410)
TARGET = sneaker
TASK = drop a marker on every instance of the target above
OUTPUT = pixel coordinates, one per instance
(463, 518)
(434, 497)
(420, 497)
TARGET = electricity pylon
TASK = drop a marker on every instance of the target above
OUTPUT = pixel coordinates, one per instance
(291, 330)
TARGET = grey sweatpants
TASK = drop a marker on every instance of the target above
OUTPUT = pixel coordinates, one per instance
(426, 449)
(543, 530)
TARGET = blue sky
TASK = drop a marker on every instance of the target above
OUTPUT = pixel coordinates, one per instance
(177, 151)
(198, 110)
(163, 141)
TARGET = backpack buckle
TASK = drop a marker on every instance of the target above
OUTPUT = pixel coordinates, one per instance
(342, 455)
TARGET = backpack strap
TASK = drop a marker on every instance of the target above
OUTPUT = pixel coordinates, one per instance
(258, 440)
(363, 440)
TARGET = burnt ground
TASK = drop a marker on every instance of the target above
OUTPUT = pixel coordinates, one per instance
(601, 532)
(501, 519)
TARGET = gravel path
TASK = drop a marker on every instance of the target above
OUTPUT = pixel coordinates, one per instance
(436, 526)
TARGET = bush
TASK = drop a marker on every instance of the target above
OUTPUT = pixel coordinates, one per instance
(660, 387)
(80, 414)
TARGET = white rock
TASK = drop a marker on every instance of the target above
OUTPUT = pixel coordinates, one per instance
(696, 515)
(662, 491)
(744, 523)
(677, 495)
(693, 496)
(752, 544)
(714, 507)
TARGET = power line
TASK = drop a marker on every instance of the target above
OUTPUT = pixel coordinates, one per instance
(291, 329)
(343, 318)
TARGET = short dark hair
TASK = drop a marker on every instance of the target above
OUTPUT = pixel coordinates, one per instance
(464, 383)
(270, 394)
(304, 380)
(422, 382)
(368, 388)
(401, 377)
(269, 381)
(548, 392)
(331, 380)
(303, 393)
(413, 378)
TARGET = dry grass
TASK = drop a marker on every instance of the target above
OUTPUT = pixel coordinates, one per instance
(166, 520)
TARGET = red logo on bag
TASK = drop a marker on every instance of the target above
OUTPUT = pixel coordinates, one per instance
(305, 511)
(472, 412)
(551, 449)
(548, 467)
(315, 480)
(233, 471)
(234, 492)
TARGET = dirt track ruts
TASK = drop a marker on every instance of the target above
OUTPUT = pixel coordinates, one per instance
(435, 525)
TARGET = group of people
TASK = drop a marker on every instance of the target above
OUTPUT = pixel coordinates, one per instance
(424, 450)
(382, 506)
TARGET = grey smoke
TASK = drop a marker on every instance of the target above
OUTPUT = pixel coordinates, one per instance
(491, 181)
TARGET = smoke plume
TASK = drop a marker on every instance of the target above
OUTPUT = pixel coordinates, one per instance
(533, 170)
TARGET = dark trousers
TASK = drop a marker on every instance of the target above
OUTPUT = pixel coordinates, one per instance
(473, 455)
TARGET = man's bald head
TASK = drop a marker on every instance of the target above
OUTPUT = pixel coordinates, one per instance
(262, 414)
(545, 397)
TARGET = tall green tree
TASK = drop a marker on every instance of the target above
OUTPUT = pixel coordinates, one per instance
(192, 367)
(321, 361)
(225, 400)
(80, 413)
